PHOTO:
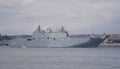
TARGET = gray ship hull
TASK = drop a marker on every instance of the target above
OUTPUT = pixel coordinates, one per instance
(68, 42)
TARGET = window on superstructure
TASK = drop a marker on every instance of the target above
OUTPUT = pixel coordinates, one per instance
(33, 38)
(48, 38)
(29, 39)
(54, 38)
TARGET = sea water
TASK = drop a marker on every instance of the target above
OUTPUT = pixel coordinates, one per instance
(59, 58)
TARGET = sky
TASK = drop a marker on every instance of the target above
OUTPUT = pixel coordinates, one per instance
(77, 16)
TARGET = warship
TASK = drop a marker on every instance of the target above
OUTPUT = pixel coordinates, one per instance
(49, 39)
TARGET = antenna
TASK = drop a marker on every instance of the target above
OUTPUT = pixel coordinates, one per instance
(39, 29)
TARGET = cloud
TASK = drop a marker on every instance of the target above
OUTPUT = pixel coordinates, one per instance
(78, 16)
(26, 2)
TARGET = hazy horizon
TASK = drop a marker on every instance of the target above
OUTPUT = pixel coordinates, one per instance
(77, 16)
